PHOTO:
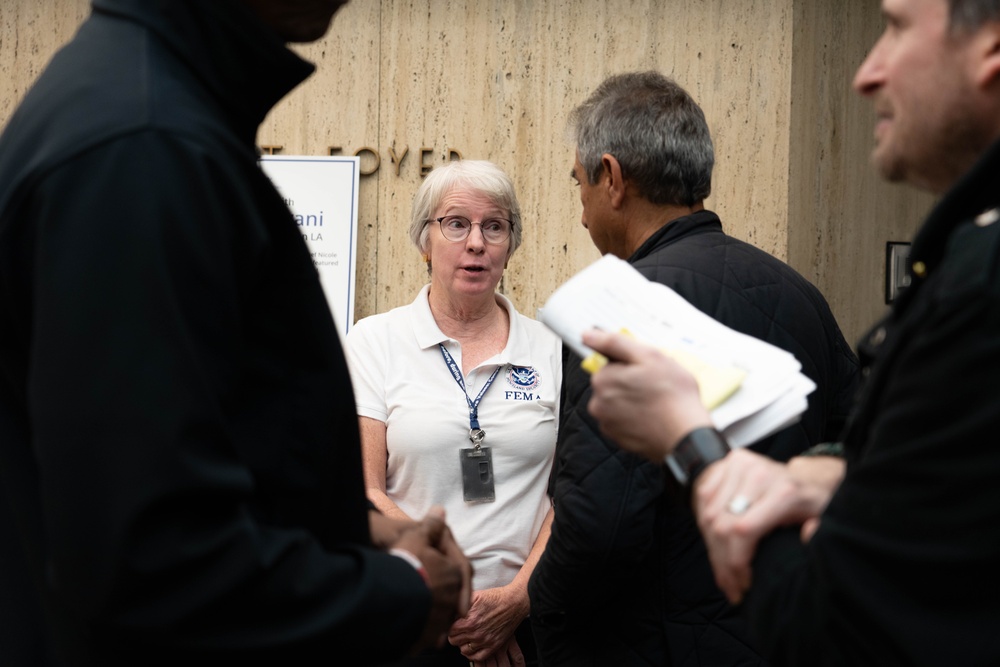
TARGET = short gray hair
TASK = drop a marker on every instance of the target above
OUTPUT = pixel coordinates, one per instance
(972, 14)
(656, 132)
(477, 176)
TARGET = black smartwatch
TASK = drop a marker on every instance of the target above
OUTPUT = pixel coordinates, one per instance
(695, 452)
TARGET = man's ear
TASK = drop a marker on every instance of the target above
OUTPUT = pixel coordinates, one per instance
(986, 50)
(615, 181)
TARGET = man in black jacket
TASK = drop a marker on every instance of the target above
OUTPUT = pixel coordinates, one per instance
(625, 579)
(178, 440)
(896, 559)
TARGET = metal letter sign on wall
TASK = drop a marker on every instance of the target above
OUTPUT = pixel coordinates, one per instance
(322, 193)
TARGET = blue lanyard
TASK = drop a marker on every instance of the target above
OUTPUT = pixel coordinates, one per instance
(476, 434)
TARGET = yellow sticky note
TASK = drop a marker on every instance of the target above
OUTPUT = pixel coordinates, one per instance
(715, 383)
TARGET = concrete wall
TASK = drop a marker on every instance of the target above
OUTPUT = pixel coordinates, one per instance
(841, 213)
(411, 81)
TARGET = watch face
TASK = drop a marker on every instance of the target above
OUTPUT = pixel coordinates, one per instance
(699, 448)
(684, 460)
(687, 455)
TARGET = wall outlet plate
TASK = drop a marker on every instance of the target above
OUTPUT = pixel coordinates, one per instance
(897, 269)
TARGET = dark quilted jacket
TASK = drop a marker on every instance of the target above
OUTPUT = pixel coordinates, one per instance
(625, 579)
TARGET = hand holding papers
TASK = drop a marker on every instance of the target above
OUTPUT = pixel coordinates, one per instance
(752, 388)
(715, 383)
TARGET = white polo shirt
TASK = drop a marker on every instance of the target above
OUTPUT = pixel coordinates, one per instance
(400, 378)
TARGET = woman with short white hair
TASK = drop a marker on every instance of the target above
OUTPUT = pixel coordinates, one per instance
(457, 396)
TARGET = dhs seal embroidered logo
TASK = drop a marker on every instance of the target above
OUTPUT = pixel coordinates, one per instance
(523, 379)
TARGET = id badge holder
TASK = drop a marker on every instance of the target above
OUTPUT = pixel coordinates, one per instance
(477, 475)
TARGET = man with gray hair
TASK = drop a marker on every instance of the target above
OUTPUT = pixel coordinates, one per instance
(890, 558)
(625, 579)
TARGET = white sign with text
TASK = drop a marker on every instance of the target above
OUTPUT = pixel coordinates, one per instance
(322, 193)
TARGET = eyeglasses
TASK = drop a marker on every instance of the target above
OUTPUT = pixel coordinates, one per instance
(457, 228)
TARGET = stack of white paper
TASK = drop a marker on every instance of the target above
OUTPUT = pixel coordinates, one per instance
(611, 295)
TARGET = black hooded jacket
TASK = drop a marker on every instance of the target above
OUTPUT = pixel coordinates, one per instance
(178, 439)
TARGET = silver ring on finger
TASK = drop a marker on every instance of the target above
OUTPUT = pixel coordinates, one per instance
(738, 505)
